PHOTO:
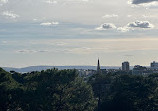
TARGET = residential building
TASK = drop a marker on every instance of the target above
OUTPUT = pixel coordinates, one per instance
(125, 66)
(141, 70)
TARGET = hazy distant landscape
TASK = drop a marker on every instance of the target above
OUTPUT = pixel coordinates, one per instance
(39, 68)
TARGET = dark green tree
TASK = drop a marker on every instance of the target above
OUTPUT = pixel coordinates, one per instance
(57, 90)
(10, 91)
(125, 92)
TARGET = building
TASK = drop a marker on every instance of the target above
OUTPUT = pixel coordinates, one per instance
(154, 65)
(141, 70)
(86, 73)
(125, 66)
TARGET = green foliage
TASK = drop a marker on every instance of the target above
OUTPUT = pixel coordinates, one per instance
(9, 91)
(64, 90)
(125, 92)
(50, 90)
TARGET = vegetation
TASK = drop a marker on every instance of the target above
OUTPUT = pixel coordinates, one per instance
(64, 90)
(126, 92)
(50, 90)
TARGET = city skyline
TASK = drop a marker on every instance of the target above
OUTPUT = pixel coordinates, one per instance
(77, 32)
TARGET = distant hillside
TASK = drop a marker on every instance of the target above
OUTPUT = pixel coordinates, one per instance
(39, 68)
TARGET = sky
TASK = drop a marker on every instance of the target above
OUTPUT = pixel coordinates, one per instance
(78, 32)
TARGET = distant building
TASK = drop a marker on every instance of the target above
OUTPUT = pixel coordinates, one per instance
(113, 71)
(86, 73)
(125, 66)
(154, 65)
(141, 70)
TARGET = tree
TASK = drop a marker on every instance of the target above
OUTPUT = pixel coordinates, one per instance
(58, 90)
(126, 93)
(50, 90)
(10, 90)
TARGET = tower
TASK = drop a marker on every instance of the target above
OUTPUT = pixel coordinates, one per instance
(125, 66)
(98, 67)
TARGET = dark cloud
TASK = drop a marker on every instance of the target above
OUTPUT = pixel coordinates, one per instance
(106, 26)
(142, 1)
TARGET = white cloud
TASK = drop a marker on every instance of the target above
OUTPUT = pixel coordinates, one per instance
(5, 42)
(134, 25)
(80, 50)
(106, 26)
(149, 16)
(51, 1)
(123, 29)
(140, 24)
(3, 1)
(31, 51)
(64, 1)
(129, 16)
(35, 19)
(85, 0)
(75, 0)
(10, 14)
(49, 23)
(130, 26)
(110, 16)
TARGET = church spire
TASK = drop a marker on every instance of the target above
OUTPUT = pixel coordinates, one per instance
(98, 67)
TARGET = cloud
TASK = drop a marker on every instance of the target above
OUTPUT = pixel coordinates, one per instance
(3, 2)
(31, 51)
(110, 16)
(93, 46)
(106, 26)
(145, 3)
(129, 16)
(130, 26)
(35, 19)
(76, 0)
(51, 1)
(85, 0)
(149, 16)
(141, 1)
(79, 50)
(49, 23)
(123, 29)
(4, 42)
(64, 1)
(10, 14)
(111, 45)
(136, 24)
(128, 55)
(140, 24)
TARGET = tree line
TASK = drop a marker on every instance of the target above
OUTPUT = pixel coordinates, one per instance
(64, 90)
